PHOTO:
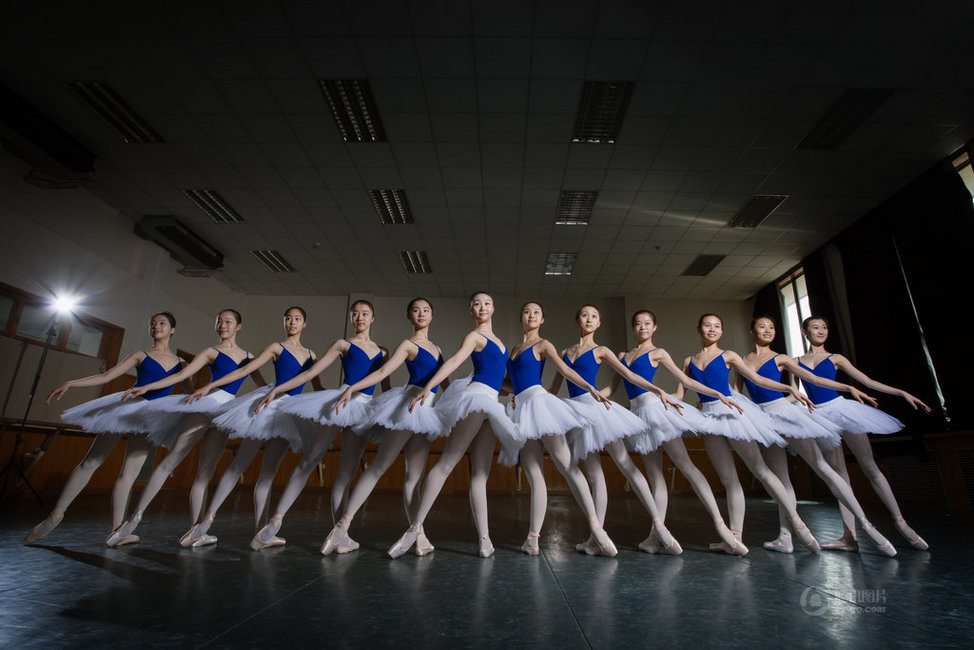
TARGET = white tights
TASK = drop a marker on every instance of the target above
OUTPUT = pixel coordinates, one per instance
(561, 456)
(273, 455)
(136, 451)
(415, 448)
(777, 459)
(195, 427)
(677, 451)
(860, 447)
(596, 478)
(719, 451)
(474, 432)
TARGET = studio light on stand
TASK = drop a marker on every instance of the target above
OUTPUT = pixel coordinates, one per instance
(62, 306)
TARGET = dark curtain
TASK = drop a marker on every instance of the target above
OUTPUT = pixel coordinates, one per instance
(931, 223)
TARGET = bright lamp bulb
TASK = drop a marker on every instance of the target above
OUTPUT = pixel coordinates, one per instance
(64, 304)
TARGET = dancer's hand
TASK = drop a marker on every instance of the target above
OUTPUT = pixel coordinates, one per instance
(265, 402)
(421, 398)
(58, 392)
(862, 397)
(599, 397)
(199, 394)
(731, 403)
(916, 403)
(343, 400)
(804, 400)
(669, 401)
(137, 391)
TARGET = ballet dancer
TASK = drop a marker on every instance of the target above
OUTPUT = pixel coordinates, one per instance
(194, 426)
(395, 427)
(855, 420)
(664, 431)
(110, 419)
(278, 430)
(606, 429)
(473, 418)
(359, 355)
(729, 429)
(804, 432)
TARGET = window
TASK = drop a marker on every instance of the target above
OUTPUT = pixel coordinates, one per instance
(962, 165)
(795, 308)
(29, 318)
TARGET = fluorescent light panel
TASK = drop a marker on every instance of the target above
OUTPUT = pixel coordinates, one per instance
(210, 202)
(415, 262)
(601, 110)
(703, 265)
(354, 109)
(758, 208)
(560, 263)
(116, 112)
(575, 207)
(853, 108)
(273, 260)
(391, 206)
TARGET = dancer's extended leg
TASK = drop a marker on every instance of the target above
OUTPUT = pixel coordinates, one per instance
(777, 460)
(481, 459)
(751, 455)
(211, 450)
(100, 448)
(842, 491)
(532, 462)
(274, 453)
(677, 451)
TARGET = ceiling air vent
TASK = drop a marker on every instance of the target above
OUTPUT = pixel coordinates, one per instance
(415, 261)
(560, 263)
(273, 260)
(601, 110)
(758, 208)
(116, 112)
(354, 109)
(703, 265)
(214, 205)
(846, 115)
(575, 208)
(391, 206)
(184, 245)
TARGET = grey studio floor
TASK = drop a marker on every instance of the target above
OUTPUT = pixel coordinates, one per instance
(72, 591)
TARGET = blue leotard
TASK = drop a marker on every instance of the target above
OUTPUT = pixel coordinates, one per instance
(643, 367)
(826, 370)
(586, 366)
(759, 394)
(356, 364)
(525, 370)
(423, 367)
(149, 371)
(715, 376)
(223, 365)
(286, 367)
(489, 365)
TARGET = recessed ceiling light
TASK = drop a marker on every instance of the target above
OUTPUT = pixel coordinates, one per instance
(575, 207)
(273, 260)
(210, 202)
(415, 262)
(703, 265)
(601, 110)
(758, 208)
(391, 206)
(853, 108)
(560, 263)
(354, 109)
(116, 112)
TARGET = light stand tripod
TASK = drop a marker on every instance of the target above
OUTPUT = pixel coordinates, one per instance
(13, 465)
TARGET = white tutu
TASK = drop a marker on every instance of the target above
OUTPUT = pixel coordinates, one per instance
(600, 425)
(212, 405)
(793, 420)
(240, 421)
(463, 397)
(663, 424)
(538, 413)
(319, 406)
(754, 425)
(849, 415)
(390, 412)
(109, 414)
